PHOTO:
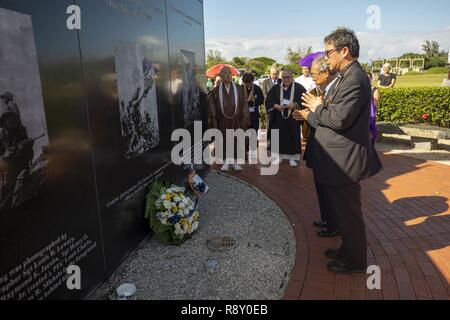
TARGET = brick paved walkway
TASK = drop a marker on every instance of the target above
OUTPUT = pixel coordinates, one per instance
(407, 214)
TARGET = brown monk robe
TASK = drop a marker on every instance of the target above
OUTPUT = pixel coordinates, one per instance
(228, 109)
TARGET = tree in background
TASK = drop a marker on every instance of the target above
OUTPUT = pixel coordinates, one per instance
(434, 58)
(239, 62)
(214, 57)
(431, 49)
(259, 66)
(293, 56)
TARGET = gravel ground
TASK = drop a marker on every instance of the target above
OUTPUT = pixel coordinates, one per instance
(258, 268)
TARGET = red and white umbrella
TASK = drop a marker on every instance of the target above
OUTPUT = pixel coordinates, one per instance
(215, 70)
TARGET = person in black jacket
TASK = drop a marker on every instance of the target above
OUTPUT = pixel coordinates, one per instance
(283, 100)
(325, 81)
(342, 152)
(255, 99)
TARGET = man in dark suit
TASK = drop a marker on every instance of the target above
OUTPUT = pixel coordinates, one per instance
(268, 84)
(342, 153)
(272, 81)
(325, 82)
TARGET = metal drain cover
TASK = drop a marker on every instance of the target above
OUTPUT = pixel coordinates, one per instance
(221, 244)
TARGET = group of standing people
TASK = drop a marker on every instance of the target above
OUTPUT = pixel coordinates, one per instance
(338, 110)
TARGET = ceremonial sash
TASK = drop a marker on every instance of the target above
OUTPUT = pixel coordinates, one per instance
(291, 100)
(235, 100)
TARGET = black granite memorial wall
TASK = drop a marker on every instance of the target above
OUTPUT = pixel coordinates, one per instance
(86, 118)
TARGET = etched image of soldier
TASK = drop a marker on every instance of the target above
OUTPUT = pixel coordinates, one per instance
(16, 157)
(16, 151)
(7, 104)
(139, 129)
(190, 90)
(24, 137)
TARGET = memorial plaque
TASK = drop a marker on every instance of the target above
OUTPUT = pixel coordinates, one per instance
(187, 62)
(86, 117)
(49, 218)
(125, 60)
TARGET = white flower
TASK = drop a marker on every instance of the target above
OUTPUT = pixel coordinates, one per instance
(176, 189)
(195, 226)
(178, 231)
(161, 217)
(167, 204)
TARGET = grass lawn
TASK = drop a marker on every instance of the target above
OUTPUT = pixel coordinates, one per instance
(426, 80)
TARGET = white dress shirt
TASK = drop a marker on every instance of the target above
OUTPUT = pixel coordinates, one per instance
(306, 82)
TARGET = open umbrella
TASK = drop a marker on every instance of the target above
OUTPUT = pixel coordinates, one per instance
(308, 60)
(215, 70)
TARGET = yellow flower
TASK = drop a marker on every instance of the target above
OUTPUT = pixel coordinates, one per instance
(168, 197)
(174, 209)
(196, 216)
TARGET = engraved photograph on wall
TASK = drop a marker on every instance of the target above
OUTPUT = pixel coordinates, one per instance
(23, 127)
(191, 90)
(137, 97)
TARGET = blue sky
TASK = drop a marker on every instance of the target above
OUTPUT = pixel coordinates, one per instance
(262, 27)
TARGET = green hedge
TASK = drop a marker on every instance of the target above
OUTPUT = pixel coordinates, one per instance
(440, 70)
(408, 105)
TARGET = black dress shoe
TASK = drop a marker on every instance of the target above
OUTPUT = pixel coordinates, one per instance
(333, 254)
(339, 267)
(325, 233)
(320, 224)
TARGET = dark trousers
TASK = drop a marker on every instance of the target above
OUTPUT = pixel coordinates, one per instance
(344, 204)
(326, 211)
(270, 121)
(254, 118)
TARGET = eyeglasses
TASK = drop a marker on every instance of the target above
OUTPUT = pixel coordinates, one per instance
(316, 75)
(329, 52)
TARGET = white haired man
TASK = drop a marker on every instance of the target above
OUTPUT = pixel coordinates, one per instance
(283, 99)
(326, 81)
(387, 79)
(228, 109)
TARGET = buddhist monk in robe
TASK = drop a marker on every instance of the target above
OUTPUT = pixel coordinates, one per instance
(283, 100)
(229, 110)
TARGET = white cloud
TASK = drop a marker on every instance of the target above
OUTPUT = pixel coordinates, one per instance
(373, 44)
